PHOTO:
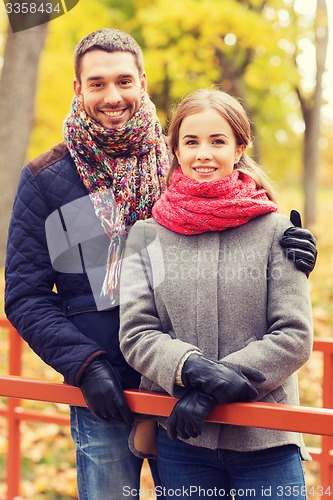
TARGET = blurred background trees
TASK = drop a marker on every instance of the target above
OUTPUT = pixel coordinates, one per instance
(269, 53)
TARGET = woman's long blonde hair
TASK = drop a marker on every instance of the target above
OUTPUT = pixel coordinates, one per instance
(234, 113)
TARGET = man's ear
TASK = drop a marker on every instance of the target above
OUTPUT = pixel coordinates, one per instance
(144, 81)
(77, 88)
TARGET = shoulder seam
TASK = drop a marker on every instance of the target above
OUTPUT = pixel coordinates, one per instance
(45, 160)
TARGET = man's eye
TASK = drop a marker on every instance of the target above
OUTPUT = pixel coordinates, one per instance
(125, 82)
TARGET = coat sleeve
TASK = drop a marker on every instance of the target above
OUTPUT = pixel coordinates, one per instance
(146, 347)
(32, 304)
(287, 344)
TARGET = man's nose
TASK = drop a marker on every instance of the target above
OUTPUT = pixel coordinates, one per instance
(112, 95)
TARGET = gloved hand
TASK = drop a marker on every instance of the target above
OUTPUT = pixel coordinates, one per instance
(299, 245)
(224, 384)
(103, 393)
(188, 415)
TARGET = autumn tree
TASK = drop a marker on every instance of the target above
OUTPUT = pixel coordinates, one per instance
(249, 48)
(234, 44)
(17, 97)
(311, 103)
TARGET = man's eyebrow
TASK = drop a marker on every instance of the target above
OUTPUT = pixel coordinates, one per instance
(101, 77)
(94, 77)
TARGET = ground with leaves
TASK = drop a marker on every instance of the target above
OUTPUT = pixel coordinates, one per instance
(48, 456)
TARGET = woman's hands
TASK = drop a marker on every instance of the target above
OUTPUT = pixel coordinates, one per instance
(209, 383)
(188, 415)
(214, 379)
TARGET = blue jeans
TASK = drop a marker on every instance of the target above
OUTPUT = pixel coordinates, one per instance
(193, 472)
(106, 468)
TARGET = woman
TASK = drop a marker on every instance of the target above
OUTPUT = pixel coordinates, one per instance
(213, 312)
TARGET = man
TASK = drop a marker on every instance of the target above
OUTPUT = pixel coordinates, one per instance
(107, 174)
(69, 223)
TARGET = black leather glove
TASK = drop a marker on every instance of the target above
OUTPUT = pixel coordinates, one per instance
(224, 384)
(299, 245)
(188, 415)
(101, 387)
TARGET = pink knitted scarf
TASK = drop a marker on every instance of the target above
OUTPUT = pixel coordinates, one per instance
(192, 207)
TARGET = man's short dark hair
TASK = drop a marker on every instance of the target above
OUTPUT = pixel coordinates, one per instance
(109, 40)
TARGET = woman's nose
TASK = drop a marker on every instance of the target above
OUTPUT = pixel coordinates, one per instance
(204, 153)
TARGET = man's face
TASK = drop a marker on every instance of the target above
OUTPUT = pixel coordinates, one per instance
(110, 87)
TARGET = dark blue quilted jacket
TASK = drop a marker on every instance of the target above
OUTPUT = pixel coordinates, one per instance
(49, 293)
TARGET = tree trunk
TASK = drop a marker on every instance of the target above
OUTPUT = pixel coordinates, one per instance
(232, 79)
(311, 107)
(17, 96)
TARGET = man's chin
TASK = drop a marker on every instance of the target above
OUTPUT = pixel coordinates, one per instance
(114, 123)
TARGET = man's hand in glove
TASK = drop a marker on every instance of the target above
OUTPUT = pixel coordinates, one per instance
(224, 384)
(188, 415)
(299, 245)
(103, 393)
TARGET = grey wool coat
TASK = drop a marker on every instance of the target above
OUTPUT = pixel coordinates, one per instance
(232, 295)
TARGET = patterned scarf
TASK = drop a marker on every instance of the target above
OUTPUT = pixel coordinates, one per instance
(123, 171)
(192, 207)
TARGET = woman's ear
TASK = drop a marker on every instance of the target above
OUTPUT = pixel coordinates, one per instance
(239, 151)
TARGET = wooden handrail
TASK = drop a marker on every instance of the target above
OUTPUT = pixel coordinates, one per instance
(267, 415)
(309, 420)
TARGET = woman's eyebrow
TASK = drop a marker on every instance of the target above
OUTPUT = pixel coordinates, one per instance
(192, 136)
(219, 135)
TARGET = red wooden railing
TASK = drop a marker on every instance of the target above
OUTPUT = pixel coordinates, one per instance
(308, 420)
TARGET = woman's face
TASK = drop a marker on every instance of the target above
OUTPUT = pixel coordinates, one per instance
(207, 148)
